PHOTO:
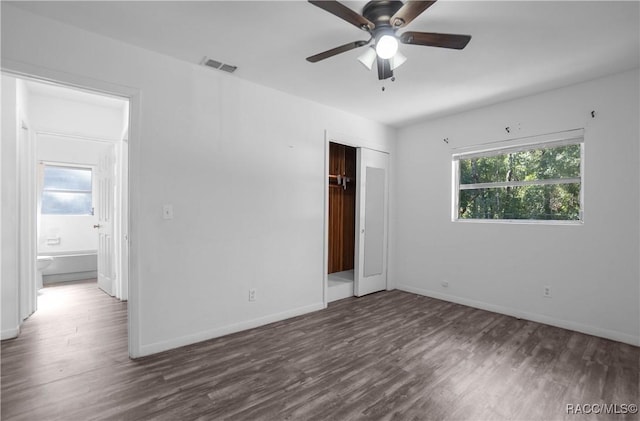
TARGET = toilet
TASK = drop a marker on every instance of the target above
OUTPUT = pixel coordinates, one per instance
(43, 263)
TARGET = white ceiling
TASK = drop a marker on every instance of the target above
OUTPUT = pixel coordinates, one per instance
(518, 48)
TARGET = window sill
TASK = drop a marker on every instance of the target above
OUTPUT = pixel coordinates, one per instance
(519, 222)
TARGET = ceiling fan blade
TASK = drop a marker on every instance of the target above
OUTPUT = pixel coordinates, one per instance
(408, 12)
(334, 51)
(384, 69)
(432, 39)
(345, 13)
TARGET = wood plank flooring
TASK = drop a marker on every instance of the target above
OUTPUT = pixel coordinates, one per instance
(386, 356)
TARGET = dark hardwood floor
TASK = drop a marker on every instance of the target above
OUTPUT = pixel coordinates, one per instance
(390, 355)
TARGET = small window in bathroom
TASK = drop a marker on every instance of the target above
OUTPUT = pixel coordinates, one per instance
(67, 190)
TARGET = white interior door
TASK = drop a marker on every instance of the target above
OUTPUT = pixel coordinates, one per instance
(372, 219)
(105, 195)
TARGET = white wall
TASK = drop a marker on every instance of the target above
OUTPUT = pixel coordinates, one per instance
(71, 117)
(67, 234)
(9, 211)
(16, 151)
(592, 269)
(242, 165)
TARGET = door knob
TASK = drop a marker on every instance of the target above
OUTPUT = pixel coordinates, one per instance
(97, 226)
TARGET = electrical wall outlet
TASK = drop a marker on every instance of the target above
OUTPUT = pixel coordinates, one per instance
(546, 291)
(252, 294)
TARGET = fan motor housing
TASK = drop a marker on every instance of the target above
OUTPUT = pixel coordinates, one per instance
(380, 12)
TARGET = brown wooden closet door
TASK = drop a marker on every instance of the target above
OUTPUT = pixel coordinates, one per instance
(342, 207)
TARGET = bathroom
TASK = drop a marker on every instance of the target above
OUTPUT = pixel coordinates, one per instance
(66, 240)
(65, 138)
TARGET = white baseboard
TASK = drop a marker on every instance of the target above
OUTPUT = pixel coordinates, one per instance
(156, 347)
(10, 333)
(539, 318)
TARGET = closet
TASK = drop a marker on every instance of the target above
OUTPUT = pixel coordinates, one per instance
(342, 207)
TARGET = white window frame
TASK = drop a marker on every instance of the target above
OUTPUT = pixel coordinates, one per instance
(571, 137)
(75, 167)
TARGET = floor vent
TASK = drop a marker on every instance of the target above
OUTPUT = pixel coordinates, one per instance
(209, 62)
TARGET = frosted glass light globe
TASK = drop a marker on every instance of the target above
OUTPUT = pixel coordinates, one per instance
(387, 46)
(368, 58)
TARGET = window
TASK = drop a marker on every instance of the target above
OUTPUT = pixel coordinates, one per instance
(67, 191)
(534, 182)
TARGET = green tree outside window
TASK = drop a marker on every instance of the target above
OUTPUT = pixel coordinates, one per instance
(541, 183)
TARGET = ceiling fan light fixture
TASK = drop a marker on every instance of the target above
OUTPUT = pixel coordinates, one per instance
(381, 20)
(368, 58)
(397, 60)
(386, 46)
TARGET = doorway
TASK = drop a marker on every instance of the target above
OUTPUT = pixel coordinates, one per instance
(356, 220)
(342, 220)
(73, 178)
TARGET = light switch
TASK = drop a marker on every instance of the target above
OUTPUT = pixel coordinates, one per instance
(167, 211)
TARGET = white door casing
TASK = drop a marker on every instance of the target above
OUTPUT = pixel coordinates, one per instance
(121, 223)
(28, 222)
(372, 220)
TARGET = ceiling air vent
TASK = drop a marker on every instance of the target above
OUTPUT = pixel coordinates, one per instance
(228, 68)
(209, 62)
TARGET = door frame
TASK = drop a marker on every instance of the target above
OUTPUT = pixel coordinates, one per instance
(27, 227)
(131, 208)
(354, 142)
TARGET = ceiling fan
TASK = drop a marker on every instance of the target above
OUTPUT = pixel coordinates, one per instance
(382, 19)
